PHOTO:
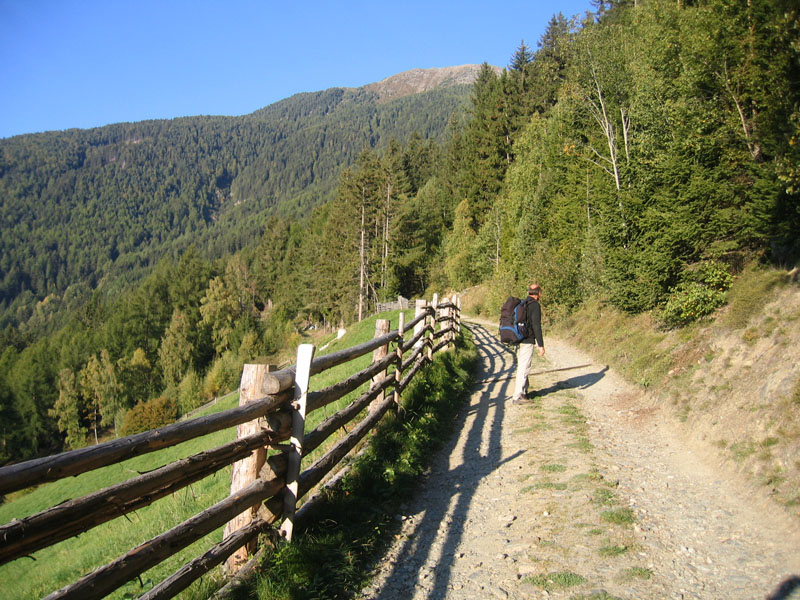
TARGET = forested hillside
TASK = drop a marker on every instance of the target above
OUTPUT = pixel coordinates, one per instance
(640, 155)
(88, 209)
(665, 159)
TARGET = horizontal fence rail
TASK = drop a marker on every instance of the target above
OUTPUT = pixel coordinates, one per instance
(265, 489)
(52, 468)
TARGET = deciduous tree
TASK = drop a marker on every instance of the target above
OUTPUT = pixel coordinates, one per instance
(69, 410)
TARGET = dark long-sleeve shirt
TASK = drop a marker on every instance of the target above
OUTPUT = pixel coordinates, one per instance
(534, 323)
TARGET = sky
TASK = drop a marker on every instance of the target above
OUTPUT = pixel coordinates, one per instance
(88, 63)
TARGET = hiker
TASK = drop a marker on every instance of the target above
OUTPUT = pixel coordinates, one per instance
(533, 336)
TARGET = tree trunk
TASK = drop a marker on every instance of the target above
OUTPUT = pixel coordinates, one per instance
(361, 254)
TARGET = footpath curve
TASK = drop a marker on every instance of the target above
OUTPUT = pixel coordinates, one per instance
(583, 492)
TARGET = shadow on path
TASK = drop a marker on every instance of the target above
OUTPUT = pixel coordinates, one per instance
(578, 382)
(431, 550)
(786, 589)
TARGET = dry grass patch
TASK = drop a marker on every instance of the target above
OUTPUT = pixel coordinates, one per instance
(751, 283)
(612, 550)
(553, 468)
(636, 573)
(604, 497)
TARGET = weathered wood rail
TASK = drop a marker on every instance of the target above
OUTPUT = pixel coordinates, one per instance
(272, 411)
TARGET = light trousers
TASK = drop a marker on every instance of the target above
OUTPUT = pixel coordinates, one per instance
(524, 358)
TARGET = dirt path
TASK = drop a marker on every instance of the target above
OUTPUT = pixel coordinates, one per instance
(581, 493)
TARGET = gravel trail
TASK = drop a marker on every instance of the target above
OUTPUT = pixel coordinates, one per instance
(586, 491)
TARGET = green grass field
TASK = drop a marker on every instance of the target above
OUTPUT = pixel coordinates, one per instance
(52, 568)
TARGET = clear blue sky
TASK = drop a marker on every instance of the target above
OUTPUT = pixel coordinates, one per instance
(86, 63)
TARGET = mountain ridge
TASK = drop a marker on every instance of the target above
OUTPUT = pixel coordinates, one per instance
(98, 208)
(416, 81)
(399, 85)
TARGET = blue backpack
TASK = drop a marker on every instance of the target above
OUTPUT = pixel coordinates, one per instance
(513, 321)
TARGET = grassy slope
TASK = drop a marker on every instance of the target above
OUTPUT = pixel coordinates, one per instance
(67, 561)
(731, 379)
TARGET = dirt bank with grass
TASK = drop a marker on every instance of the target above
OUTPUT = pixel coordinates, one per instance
(730, 384)
(588, 491)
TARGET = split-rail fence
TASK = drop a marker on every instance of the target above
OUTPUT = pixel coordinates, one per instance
(271, 415)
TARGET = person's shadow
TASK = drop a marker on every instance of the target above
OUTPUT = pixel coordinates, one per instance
(578, 382)
(786, 589)
(481, 455)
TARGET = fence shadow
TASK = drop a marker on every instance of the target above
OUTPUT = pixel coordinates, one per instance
(422, 557)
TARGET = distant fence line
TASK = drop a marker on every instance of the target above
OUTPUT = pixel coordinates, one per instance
(208, 404)
(272, 410)
(399, 304)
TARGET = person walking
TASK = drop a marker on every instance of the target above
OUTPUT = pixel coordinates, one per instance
(533, 337)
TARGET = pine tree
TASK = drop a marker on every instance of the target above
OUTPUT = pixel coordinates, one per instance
(483, 149)
(69, 410)
(522, 57)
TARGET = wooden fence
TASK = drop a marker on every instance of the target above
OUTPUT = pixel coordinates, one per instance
(272, 410)
(399, 304)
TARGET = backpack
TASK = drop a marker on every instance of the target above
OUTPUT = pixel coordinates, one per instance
(513, 321)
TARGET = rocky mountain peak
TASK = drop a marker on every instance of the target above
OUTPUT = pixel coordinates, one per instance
(416, 81)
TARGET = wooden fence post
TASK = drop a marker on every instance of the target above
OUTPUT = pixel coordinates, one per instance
(432, 320)
(381, 328)
(458, 315)
(452, 313)
(398, 371)
(419, 308)
(448, 313)
(305, 354)
(245, 471)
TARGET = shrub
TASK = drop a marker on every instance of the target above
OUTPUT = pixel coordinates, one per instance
(224, 375)
(689, 302)
(190, 392)
(149, 415)
(711, 274)
(701, 292)
(250, 345)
